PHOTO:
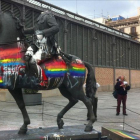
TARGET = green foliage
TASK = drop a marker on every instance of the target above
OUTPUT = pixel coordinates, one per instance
(30, 91)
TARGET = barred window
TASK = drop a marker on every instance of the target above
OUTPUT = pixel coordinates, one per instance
(133, 29)
(122, 29)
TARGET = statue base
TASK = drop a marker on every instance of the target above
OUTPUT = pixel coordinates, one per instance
(116, 134)
(53, 133)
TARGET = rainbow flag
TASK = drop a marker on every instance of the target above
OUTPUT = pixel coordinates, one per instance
(1, 79)
(1, 82)
(10, 60)
(58, 68)
(77, 70)
(10, 57)
(54, 68)
(125, 134)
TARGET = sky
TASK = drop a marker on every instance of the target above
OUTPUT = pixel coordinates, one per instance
(98, 8)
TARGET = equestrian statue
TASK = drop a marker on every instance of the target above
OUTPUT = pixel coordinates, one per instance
(41, 65)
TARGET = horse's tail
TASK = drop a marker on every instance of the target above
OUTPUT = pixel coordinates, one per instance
(90, 81)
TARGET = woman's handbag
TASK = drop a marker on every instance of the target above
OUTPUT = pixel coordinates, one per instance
(115, 94)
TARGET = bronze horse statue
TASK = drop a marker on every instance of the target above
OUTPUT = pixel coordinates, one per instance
(68, 79)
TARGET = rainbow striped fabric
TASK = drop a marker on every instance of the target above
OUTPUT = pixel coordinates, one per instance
(58, 68)
(10, 61)
(55, 68)
(1, 81)
(125, 134)
(77, 70)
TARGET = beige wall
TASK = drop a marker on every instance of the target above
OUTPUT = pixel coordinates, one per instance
(127, 30)
(135, 78)
(5, 95)
(104, 76)
(138, 11)
(138, 31)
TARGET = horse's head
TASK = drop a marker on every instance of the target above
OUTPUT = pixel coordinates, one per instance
(10, 28)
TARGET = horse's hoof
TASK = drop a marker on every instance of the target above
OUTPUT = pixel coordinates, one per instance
(88, 119)
(60, 124)
(22, 131)
(88, 128)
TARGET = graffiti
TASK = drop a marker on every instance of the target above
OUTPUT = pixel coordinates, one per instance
(13, 71)
(28, 81)
(72, 82)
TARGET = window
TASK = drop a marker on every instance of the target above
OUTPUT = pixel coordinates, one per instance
(133, 29)
(122, 29)
(133, 33)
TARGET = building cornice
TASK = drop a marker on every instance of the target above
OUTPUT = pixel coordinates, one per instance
(133, 20)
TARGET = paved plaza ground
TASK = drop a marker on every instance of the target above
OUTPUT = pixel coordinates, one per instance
(77, 115)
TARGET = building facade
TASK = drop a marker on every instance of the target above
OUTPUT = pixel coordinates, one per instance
(130, 25)
(110, 52)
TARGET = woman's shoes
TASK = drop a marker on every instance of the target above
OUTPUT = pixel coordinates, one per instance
(117, 114)
(125, 114)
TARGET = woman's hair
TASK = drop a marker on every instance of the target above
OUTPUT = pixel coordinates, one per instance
(118, 78)
(121, 77)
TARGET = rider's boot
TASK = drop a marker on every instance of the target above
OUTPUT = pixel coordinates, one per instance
(66, 57)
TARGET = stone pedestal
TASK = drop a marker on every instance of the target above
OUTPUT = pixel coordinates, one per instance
(5, 95)
(53, 133)
(116, 134)
(32, 99)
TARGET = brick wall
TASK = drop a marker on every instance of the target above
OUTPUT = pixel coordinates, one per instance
(124, 72)
(135, 78)
(104, 77)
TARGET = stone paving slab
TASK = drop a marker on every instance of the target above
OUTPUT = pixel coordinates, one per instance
(76, 115)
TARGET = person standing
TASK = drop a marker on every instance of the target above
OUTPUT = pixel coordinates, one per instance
(122, 87)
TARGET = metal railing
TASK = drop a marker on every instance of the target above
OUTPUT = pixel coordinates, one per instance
(72, 15)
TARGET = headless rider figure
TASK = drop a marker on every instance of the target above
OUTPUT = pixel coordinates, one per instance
(46, 27)
(45, 30)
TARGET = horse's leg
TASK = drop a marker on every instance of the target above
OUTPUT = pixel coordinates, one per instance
(91, 88)
(79, 94)
(71, 103)
(17, 94)
(94, 101)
